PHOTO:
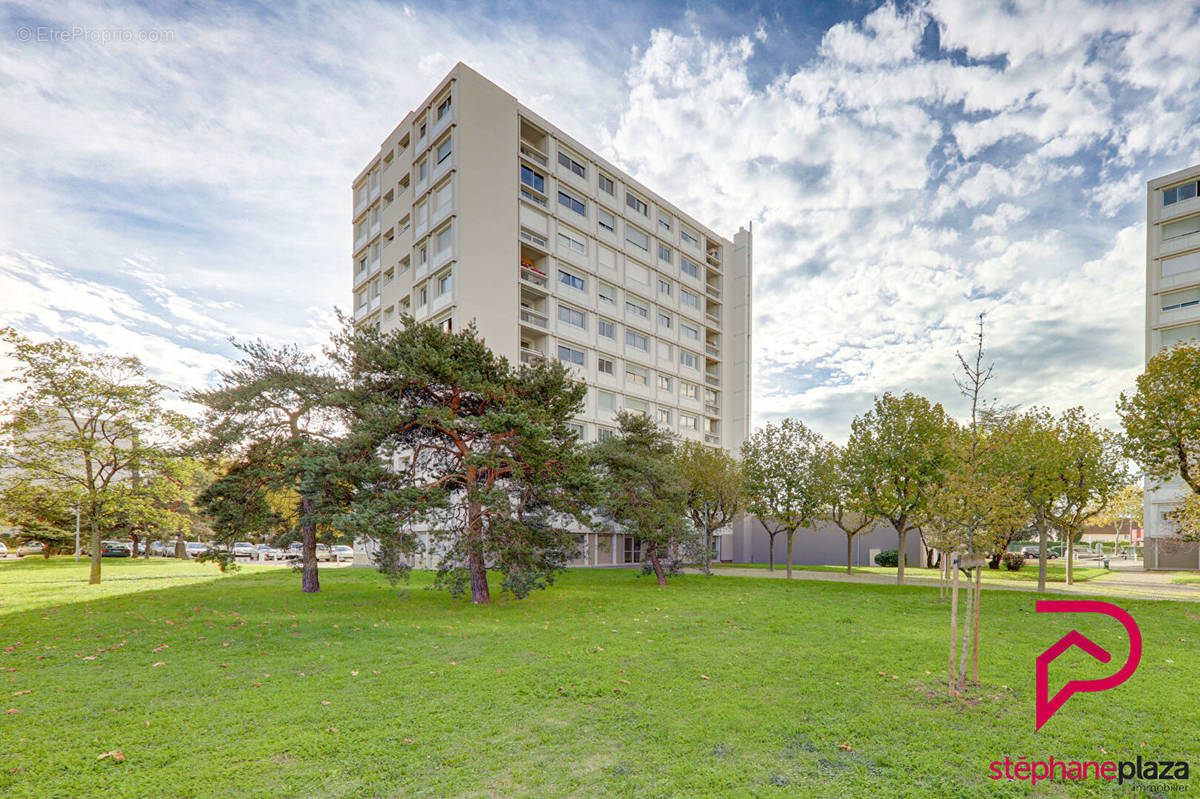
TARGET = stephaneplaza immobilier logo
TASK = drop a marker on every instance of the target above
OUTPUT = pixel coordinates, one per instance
(1038, 770)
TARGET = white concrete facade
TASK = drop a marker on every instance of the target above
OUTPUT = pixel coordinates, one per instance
(476, 209)
(1172, 315)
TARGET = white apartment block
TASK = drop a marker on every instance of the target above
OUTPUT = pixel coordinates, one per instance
(476, 209)
(1172, 315)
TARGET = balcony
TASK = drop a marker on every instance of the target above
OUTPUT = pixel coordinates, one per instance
(712, 438)
(712, 353)
(712, 380)
(535, 155)
(361, 240)
(531, 356)
(714, 316)
(534, 318)
(712, 291)
(712, 409)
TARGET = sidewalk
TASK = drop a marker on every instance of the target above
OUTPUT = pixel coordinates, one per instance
(1127, 580)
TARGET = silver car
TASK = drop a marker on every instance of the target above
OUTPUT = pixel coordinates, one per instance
(342, 552)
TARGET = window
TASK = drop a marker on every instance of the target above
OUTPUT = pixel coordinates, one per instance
(532, 179)
(606, 329)
(1179, 193)
(1180, 264)
(606, 184)
(606, 220)
(422, 254)
(605, 433)
(689, 299)
(637, 238)
(571, 164)
(637, 272)
(664, 223)
(636, 204)
(688, 268)
(689, 332)
(1173, 335)
(633, 549)
(605, 366)
(1180, 299)
(443, 150)
(637, 341)
(389, 276)
(664, 350)
(664, 320)
(443, 107)
(444, 284)
(570, 355)
(572, 317)
(568, 279)
(442, 196)
(421, 170)
(687, 422)
(606, 258)
(636, 375)
(568, 242)
(638, 406)
(664, 287)
(664, 383)
(664, 253)
(421, 130)
(689, 390)
(422, 295)
(664, 415)
(689, 237)
(444, 238)
(606, 401)
(1181, 227)
(577, 429)
(687, 359)
(607, 293)
(571, 201)
(637, 309)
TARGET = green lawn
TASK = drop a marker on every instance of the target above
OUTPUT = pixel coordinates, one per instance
(1055, 572)
(606, 685)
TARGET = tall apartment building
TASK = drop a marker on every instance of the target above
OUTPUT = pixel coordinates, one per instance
(1172, 315)
(477, 209)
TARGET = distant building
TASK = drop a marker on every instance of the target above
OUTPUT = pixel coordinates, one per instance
(1172, 315)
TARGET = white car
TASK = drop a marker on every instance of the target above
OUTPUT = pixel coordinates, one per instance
(3, 550)
(342, 552)
(244, 549)
(195, 548)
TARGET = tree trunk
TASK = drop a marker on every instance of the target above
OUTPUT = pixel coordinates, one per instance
(94, 576)
(903, 533)
(849, 553)
(310, 582)
(1041, 527)
(961, 680)
(771, 551)
(790, 538)
(1070, 558)
(953, 625)
(708, 546)
(476, 562)
(180, 547)
(134, 538)
(652, 553)
(975, 646)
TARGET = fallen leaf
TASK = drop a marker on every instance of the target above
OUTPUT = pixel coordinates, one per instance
(12, 710)
(326, 702)
(409, 741)
(332, 729)
(161, 663)
(354, 674)
(22, 693)
(704, 676)
(844, 747)
(625, 681)
(116, 754)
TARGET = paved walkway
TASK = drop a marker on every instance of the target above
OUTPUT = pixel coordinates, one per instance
(1127, 579)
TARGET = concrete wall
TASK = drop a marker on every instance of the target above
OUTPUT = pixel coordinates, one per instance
(821, 546)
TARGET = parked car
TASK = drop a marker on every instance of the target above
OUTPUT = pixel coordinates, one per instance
(323, 552)
(294, 551)
(260, 551)
(1032, 552)
(273, 553)
(195, 548)
(114, 549)
(342, 552)
(3, 550)
(244, 549)
(159, 548)
(30, 548)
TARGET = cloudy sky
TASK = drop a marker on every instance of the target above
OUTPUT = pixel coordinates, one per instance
(906, 167)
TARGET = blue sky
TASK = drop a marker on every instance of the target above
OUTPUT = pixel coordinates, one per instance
(906, 167)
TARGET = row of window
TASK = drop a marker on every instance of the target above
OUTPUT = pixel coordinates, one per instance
(607, 292)
(605, 219)
(1175, 194)
(606, 328)
(577, 357)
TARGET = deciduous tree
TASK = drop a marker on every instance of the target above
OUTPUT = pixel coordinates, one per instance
(1162, 416)
(713, 479)
(788, 474)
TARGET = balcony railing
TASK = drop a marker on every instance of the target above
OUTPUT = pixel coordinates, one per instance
(534, 318)
(713, 351)
(712, 380)
(712, 291)
(712, 438)
(530, 357)
(534, 154)
(534, 277)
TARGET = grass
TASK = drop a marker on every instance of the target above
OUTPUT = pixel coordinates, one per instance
(1055, 572)
(605, 685)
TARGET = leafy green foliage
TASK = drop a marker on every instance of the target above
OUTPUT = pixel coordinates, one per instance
(888, 557)
(1162, 416)
(642, 489)
(449, 441)
(714, 490)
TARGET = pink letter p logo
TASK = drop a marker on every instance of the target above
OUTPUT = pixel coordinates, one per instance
(1047, 707)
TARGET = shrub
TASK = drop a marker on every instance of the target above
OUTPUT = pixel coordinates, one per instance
(889, 557)
(1013, 561)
